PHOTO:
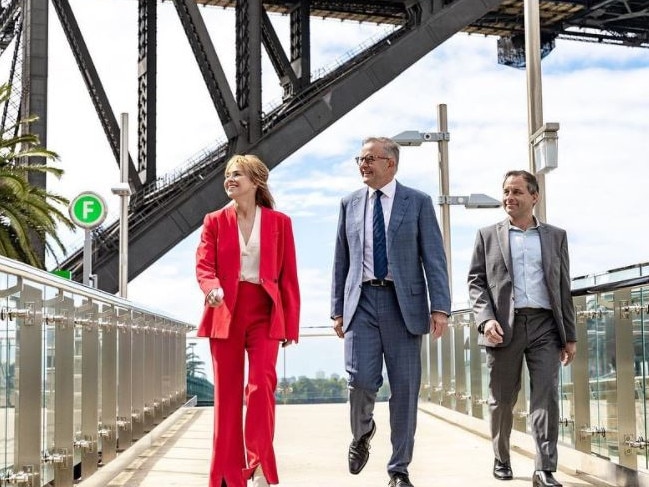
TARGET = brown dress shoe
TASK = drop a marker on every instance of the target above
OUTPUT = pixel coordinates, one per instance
(359, 451)
(544, 478)
(502, 470)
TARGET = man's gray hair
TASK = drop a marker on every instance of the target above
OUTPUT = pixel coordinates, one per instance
(390, 147)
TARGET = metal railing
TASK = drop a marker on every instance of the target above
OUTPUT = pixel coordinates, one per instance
(83, 375)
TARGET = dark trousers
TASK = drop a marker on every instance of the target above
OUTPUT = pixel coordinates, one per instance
(378, 333)
(535, 339)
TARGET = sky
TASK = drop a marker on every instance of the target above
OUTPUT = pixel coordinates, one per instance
(598, 93)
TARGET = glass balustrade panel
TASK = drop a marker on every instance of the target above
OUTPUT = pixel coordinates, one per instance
(101, 307)
(640, 319)
(566, 406)
(78, 302)
(602, 373)
(48, 349)
(7, 375)
(465, 327)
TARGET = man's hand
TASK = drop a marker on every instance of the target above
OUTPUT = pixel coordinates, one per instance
(493, 332)
(568, 353)
(438, 324)
(338, 326)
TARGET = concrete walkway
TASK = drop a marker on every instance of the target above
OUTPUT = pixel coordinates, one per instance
(311, 446)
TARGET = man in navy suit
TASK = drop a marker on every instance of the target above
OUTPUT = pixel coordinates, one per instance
(519, 285)
(389, 288)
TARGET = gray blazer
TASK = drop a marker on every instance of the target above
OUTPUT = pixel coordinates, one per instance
(415, 257)
(491, 282)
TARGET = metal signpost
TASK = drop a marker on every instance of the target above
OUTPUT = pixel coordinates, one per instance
(123, 190)
(88, 211)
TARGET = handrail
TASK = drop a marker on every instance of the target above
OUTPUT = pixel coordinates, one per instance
(39, 276)
(82, 372)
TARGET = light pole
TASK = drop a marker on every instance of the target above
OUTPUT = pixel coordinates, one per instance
(540, 135)
(476, 200)
(431, 353)
(123, 190)
(416, 138)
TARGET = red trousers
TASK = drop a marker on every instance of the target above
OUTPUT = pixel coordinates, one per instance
(239, 447)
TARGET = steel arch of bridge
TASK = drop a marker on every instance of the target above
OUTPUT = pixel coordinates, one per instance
(162, 211)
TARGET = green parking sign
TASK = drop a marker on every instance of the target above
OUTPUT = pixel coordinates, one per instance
(88, 210)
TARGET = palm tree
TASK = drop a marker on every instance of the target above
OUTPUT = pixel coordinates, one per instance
(27, 210)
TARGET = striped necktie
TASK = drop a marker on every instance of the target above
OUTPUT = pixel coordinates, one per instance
(378, 232)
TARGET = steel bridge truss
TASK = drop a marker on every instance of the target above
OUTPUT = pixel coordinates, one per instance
(164, 210)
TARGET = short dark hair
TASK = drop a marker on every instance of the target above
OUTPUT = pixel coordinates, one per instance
(530, 179)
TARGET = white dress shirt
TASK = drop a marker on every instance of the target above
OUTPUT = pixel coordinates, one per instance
(386, 203)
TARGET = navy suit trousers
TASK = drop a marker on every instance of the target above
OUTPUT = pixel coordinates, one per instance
(377, 333)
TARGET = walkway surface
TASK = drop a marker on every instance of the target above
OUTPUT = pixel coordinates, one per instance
(311, 446)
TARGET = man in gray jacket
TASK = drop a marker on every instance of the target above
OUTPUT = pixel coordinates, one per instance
(519, 286)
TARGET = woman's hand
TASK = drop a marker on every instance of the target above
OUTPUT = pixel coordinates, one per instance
(214, 297)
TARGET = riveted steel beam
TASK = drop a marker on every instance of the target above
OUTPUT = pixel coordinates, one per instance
(147, 89)
(210, 67)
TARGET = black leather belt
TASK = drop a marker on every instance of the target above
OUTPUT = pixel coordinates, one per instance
(531, 311)
(379, 283)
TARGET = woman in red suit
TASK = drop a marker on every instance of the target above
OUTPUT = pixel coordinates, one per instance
(246, 267)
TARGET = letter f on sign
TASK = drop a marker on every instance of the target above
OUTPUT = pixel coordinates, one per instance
(87, 209)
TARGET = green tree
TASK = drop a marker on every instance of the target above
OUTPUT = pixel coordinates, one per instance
(27, 210)
(306, 390)
(197, 383)
(194, 363)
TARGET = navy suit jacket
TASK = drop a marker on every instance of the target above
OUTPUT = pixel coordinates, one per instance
(416, 258)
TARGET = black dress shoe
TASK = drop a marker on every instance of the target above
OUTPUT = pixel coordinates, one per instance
(544, 478)
(502, 470)
(399, 480)
(359, 451)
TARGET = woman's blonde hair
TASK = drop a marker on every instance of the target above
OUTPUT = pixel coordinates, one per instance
(258, 173)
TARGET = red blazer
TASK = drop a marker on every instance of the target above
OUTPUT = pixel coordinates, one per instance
(218, 262)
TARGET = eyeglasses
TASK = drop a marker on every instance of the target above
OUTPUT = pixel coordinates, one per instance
(369, 159)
